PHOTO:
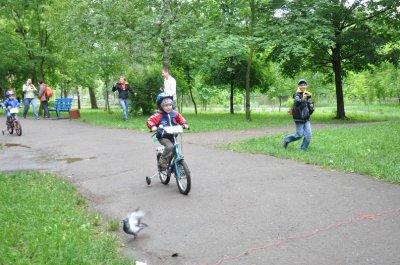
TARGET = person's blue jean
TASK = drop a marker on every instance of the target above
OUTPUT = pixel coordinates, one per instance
(27, 102)
(124, 105)
(302, 129)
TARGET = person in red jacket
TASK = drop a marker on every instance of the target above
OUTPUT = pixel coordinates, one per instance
(165, 116)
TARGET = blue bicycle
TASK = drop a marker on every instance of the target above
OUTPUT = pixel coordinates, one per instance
(176, 164)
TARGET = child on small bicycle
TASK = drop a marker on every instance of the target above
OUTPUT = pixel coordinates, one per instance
(10, 102)
(165, 116)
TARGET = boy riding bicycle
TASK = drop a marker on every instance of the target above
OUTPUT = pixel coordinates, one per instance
(10, 102)
(165, 116)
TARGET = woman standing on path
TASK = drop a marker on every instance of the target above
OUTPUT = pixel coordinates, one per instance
(123, 88)
(29, 90)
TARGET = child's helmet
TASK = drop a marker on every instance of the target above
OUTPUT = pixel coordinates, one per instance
(9, 93)
(162, 96)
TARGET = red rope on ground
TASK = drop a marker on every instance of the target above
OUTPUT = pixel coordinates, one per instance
(362, 216)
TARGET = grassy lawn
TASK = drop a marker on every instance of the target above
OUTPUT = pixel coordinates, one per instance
(371, 149)
(44, 221)
(218, 121)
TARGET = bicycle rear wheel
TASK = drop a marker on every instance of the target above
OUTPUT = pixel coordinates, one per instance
(10, 128)
(18, 128)
(164, 176)
(183, 180)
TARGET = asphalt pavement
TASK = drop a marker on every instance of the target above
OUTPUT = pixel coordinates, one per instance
(242, 209)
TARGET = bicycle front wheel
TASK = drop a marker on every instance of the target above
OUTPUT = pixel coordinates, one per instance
(183, 178)
(18, 128)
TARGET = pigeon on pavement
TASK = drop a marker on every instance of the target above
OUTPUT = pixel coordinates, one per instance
(133, 223)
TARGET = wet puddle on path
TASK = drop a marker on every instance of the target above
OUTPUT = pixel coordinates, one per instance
(70, 160)
(16, 145)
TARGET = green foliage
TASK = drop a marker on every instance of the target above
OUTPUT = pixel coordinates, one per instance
(43, 221)
(148, 87)
(86, 44)
(336, 42)
(369, 149)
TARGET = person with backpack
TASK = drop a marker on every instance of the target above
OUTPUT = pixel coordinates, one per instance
(302, 110)
(44, 98)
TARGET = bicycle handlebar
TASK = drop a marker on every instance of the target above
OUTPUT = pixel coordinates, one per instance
(161, 127)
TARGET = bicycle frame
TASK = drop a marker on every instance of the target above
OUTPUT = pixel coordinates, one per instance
(13, 123)
(176, 156)
(176, 164)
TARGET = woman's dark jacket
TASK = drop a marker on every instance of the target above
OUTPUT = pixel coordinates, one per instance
(123, 93)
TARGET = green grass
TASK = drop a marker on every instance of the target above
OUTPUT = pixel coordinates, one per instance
(371, 149)
(219, 121)
(44, 221)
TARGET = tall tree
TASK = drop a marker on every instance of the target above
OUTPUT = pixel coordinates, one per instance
(332, 34)
(28, 19)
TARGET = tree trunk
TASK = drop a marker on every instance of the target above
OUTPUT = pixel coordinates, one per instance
(42, 60)
(79, 97)
(189, 81)
(231, 95)
(165, 35)
(250, 60)
(106, 102)
(248, 114)
(92, 96)
(181, 103)
(337, 69)
(280, 103)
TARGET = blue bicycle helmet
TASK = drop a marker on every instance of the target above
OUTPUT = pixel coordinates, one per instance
(162, 96)
(9, 93)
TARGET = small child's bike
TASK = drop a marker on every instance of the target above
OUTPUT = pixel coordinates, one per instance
(13, 123)
(176, 164)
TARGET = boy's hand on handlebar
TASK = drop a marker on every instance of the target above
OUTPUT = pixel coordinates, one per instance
(154, 128)
(185, 126)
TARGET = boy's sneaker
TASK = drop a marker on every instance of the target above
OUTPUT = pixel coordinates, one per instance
(285, 144)
(163, 165)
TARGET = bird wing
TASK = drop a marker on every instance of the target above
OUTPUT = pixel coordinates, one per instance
(137, 215)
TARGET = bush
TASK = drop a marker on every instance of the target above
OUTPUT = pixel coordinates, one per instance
(147, 88)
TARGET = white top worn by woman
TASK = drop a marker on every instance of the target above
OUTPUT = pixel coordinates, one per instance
(29, 90)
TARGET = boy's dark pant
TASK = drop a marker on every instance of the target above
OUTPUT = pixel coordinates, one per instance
(169, 146)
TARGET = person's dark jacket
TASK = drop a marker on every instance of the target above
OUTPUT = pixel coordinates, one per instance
(302, 110)
(123, 93)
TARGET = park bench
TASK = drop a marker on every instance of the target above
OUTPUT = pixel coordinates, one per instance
(61, 104)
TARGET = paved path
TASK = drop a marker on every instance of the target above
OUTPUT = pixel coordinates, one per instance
(261, 209)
